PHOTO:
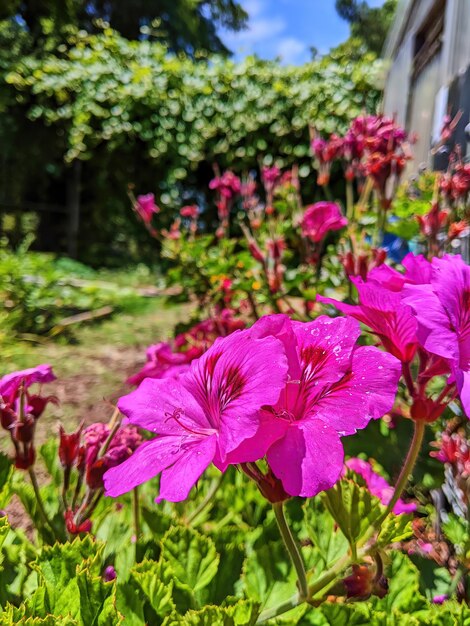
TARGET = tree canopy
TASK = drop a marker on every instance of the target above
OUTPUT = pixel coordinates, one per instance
(184, 25)
(370, 24)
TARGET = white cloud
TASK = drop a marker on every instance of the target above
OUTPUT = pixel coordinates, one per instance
(292, 50)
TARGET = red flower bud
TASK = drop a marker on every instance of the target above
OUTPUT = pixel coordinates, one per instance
(7, 417)
(69, 447)
(74, 529)
(25, 458)
(360, 583)
(24, 431)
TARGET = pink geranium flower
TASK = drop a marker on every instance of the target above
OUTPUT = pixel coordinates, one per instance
(442, 311)
(146, 207)
(417, 272)
(321, 218)
(201, 417)
(378, 486)
(190, 210)
(386, 315)
(334, 389)
(163, 362)
(10, 383)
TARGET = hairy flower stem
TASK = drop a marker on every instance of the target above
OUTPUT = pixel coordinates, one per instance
(407, 469)
(136, 514)
(292, 549)
(42, 511)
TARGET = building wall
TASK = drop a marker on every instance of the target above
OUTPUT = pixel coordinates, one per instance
(419, 102)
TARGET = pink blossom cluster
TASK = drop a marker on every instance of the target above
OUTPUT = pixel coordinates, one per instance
(20, 409)
(228, 187)
(282, 390)
(425, 312)
(373, 146)
(454, 449)
(92, 451)
(168, 360)
(455, 184)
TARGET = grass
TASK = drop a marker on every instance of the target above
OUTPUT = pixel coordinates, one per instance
(92, 367)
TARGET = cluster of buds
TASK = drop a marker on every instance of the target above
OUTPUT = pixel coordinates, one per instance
(374, 146)
(169, 360)
(269, 485)
(271, 177)
(360, 263)
(270, 259)
(228, 186)
(325, 152)
(426, 407)
(453, 449)
(455, 183)
(91, 452)
(20, 409)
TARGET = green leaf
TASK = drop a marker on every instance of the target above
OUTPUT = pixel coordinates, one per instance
(154, 580)
(457, 530)
(353, 508)
(192, 557)
(97, 599)
(50, 454)
(323, 532)
(244, 613)
(6, 471)
(268, 576)
(395, 528)
(403, 592)
(57, 571)
(129, 603)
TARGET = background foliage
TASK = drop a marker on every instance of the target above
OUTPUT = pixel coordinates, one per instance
(132, 113)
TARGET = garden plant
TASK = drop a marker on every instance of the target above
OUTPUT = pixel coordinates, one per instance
(298, 452)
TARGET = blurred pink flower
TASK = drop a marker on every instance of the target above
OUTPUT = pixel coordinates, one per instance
(387, 316)
(190, 210)
(146, 207)
(442, 312)
(378, 486)
(321, 218)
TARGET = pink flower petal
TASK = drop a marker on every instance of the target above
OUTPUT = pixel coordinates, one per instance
(39, 374)
(233, 379)
(325, 347)
(368, 392)
(176, 481)
(145, 463)
(308, 459)
(164, 407)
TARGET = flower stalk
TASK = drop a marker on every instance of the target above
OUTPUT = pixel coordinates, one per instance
(407, 469)
(292, 549)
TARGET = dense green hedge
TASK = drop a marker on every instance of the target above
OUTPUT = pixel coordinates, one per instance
(133, 113)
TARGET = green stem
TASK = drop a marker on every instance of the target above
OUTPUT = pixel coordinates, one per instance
(292, 549)
(407, 469)
(350, 201)
(207, 500)
(288, 605)
(42, 511)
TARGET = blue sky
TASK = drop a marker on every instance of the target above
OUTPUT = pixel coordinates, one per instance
(287, 28)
